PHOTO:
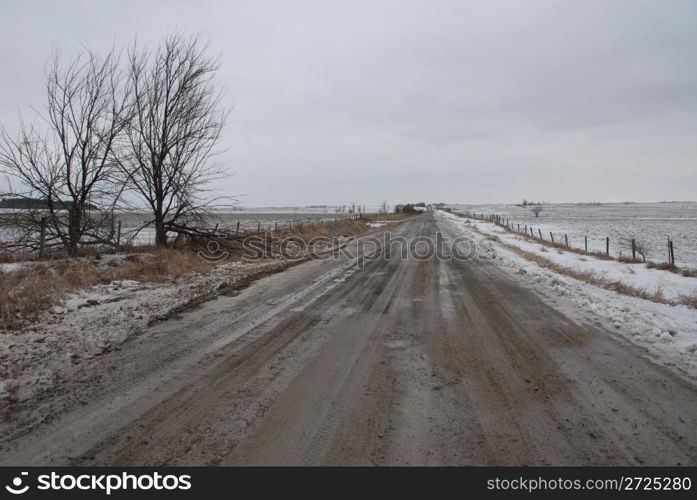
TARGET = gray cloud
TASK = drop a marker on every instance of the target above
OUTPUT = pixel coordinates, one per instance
(459, 101)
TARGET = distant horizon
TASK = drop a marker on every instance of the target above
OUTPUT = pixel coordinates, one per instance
(319, 205)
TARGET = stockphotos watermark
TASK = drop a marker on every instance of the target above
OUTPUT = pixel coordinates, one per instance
(100, 483)
(256, 248)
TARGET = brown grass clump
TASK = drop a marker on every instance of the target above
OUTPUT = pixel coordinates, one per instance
(663, 266)
(390, 217)
(342, 227)
(164, 264)
(6, 257)
(26, 292)
(629, 260)
(689, 300)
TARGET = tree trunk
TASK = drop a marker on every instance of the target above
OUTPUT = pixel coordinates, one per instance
(74, 222)
(160, 231)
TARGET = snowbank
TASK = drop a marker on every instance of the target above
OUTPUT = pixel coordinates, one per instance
(671, 285)
(668, 331)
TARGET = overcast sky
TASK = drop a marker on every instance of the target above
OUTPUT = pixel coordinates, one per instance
(462, 101)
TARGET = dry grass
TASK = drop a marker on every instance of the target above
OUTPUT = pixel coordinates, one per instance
(667, 266)
(25, 292)
(689, 300)
(629, 260)
(342, 227)
(38, 286)
(390, 217)
(663, 266)
(6, 257)
(308, 231)
(589, 277)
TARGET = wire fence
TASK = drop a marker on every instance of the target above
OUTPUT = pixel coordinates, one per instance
(626, 249)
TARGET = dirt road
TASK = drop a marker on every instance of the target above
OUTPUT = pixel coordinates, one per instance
(405, 361)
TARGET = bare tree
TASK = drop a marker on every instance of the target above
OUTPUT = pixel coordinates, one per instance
(70, 164)
(383, 208)
(636, 246)
(537, 209)
(178, 119)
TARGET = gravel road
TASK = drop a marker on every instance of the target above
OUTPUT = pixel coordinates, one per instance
(405, 361)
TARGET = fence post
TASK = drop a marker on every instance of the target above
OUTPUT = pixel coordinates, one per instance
(237, 229)
(633, 249)
(540, 232)
(585, 240)
(566, 240)
(607, 246)
(672, 253)
(42, 238)
(118, 235)
(258, 226)
(551, 236)
(275, 226)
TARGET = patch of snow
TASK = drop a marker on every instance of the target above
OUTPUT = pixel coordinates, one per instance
(669, 332)
(12, 267)
(95, 320)
(673, 286)
(650, 224)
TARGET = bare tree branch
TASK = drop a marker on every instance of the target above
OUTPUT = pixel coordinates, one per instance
(178, 118)
(70, 163)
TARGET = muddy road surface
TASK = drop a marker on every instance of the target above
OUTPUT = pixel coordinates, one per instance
(393, 361)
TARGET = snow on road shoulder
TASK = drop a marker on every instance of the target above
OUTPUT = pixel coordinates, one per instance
(93, 321)
(669, 332)
(96, 320)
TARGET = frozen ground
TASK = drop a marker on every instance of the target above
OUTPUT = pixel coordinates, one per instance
(91, 322)
(398, 361)
(650, 224)
(668, 331)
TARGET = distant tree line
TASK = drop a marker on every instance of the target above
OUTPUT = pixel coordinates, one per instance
(35, 204)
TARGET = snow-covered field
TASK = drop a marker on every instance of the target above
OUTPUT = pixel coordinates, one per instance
(650, 224)
(669, 331)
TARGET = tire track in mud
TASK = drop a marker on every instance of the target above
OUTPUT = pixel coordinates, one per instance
(168, 369)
